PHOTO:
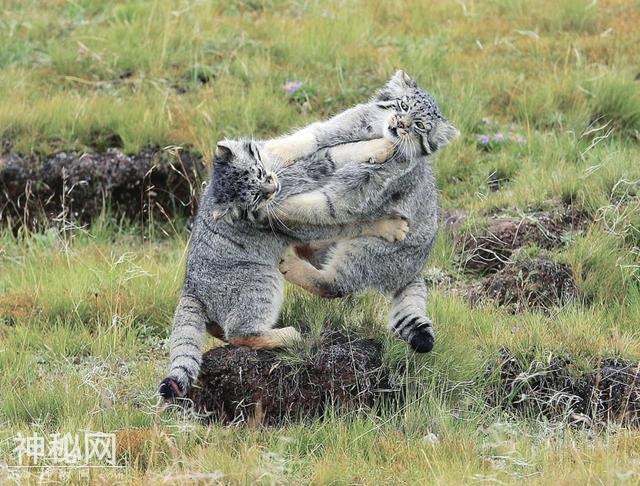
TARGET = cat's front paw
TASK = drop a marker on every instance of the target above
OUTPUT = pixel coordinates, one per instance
(392, 229)
(284, 153)
(289, 263)
(382, 151)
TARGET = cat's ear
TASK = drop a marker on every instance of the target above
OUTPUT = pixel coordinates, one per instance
(402, 80)
(443, 134)
(396, 88)
(224, 150)
(399, 83)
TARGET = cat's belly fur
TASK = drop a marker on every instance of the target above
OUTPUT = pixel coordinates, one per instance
(229, 268)
(388, 267)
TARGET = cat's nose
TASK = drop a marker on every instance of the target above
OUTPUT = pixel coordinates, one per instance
(271, 185)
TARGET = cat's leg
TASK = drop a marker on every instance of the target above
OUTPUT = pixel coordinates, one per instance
(330, 281)
(390, 228)
(310, 250)
(315, 252)
(325, 206)
(268, 339)
(329, 205)
(408, 319)
(320, 207)
(375, 151)
(189, 327)
(315, 207)
(286, 150)
(318, 281)
(250, 322)
(362, 122)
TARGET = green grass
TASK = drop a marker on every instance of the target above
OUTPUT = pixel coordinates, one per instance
(84, 315)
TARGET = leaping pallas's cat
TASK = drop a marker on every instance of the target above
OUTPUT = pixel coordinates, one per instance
(233, 288)
(403, 185)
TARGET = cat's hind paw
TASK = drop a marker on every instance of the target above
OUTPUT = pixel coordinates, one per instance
(273, 338)
(423, 339)
(170, 389)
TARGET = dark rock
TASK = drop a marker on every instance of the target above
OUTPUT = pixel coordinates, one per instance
(527, 283)
(239, 384)
(74, 187)
(556, 390)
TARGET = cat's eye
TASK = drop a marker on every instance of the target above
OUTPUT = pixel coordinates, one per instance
(424, 126)
(404, 106)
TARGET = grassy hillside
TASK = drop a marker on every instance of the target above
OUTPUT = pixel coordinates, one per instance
(548, 102)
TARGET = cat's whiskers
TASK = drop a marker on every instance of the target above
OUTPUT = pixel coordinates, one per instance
(277, 166)
(269, 218)
(412, 148)
(276, 209)
(403, 145)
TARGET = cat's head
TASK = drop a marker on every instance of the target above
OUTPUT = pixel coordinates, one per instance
(240, 182)
(417, 126)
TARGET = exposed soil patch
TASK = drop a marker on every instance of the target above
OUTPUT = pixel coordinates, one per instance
(75, 187)
(527, 283)
(239, 384)
(555, 390)
(489, 248)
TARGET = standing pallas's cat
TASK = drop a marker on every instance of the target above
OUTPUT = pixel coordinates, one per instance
(403, 185)
(232, 285)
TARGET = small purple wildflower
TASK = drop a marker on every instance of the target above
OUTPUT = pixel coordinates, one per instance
(483, 139)
(290, 87)
(498, 137)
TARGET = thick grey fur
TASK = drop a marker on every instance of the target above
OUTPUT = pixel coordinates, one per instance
(232, 282)
(403, 185)
(232, 278)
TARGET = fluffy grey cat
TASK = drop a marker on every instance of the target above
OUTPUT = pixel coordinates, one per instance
(357, 192)
(403, 185)
(232, 287)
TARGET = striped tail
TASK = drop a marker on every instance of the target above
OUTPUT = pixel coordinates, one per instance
(408, 318)
(189, 328)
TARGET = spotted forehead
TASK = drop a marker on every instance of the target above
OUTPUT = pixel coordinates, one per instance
(426, 105)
